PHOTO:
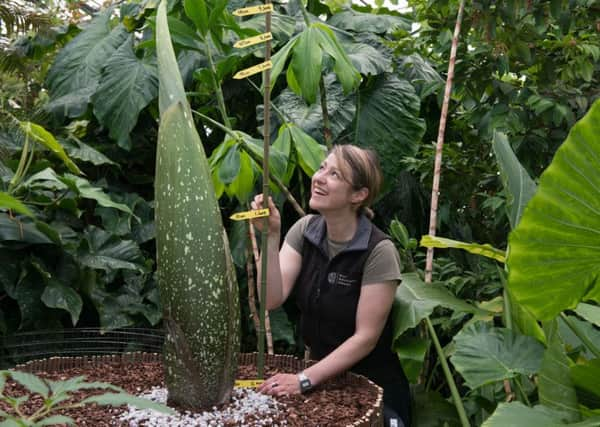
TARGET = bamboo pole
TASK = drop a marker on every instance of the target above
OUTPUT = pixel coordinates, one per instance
(265, 230)
(437, 170)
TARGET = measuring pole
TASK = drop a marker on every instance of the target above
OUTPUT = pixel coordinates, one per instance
(265, 230)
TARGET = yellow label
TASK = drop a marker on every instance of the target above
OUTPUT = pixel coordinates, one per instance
(253, 70)
(253, 40)
(248, 383)
(253, 10)
(239, 216)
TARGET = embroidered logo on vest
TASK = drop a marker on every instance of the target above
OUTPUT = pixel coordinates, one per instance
(340, 279)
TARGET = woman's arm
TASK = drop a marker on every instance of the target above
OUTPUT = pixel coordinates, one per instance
(374, 306)
(283, 265)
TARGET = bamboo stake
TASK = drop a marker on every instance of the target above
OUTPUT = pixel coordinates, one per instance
(433, 215)
(265, 230)
(256, 258)
(437, 170)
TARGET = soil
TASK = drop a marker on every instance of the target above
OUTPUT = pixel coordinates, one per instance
(335, 403)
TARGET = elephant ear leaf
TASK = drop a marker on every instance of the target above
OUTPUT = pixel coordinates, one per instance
(554, 259)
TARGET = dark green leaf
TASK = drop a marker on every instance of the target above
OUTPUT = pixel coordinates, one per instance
(310, 152)
(101, 250)
(389, 121)
(17, 229)
(117, 399)
(484, 354)
(352, 20)
(78, 65)
(230, 166)
(87, 191)
(368, 60)
(58, 295)
(585, 376)
(126, 87)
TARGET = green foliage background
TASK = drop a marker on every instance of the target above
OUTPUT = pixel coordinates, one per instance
(77, 247)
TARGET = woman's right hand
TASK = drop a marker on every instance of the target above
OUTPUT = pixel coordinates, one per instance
(274, 217)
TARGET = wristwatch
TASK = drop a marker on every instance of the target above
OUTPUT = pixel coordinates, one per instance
(305, 383)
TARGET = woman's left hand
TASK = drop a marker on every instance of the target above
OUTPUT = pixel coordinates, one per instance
(281, 385)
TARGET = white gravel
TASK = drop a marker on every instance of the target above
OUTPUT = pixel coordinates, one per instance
(245, 402)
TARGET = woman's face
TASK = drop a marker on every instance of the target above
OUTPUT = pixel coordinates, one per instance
(329, 188)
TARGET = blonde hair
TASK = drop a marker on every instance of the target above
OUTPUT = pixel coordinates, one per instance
(360, 167)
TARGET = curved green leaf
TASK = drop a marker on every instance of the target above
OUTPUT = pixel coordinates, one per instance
(79, 64)
(230, 165)
(310, 153)
(555, 388)
(348, 76)
(126, 87)
(589, 312)
(9, 202)
(15, 229)
(554, 259)
(485, 250)
(416, 300)
(32, 382)
(484, 354)
(42, 136)
(83, 187)
(586, 332)
(515, 414)
(56, 420)
(103, 251)
(368, 60)
(118, 399)
(58, 295)
(585, 376)
(388, 120)
(517, 182)
(306, 65)
(352, 20)
(197, 12)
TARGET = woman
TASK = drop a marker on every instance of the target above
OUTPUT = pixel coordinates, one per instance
(344, 272)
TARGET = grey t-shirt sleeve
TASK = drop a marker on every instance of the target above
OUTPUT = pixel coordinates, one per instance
(295, 235)
(383, 264)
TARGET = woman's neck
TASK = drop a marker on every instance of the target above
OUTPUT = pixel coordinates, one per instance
(341, 227)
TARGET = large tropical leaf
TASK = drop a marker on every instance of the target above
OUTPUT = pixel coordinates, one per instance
(79, 64)
(519, 185)
(421, 74)
(484, 354)
(585, 332)
(554, 259)
(86, 190)
(555, 387)
(388, 120)
(309, 118)
(367, 59)
(515, 414)
(359, 22)
(103, 251)
(416, 300)
(127, 86)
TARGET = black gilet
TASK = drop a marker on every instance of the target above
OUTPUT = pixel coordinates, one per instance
(327, 293)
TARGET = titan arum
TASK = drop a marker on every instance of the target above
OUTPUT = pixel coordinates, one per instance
(196, 276)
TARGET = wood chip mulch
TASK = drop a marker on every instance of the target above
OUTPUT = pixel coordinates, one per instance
(333, 404)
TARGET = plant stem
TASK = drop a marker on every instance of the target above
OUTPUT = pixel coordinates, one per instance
(449, 378)
(581, 335)
(217, 86)
(21, 168)
(437, 170)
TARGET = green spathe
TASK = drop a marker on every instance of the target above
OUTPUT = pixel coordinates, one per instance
(196, 276)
